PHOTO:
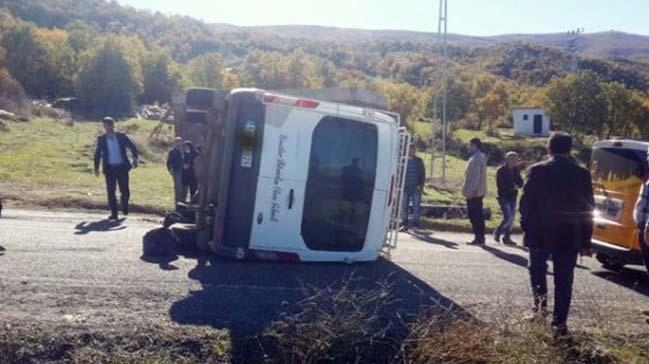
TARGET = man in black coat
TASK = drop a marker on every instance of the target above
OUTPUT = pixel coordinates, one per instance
(557, 217)
(111, 150)
(175, 164)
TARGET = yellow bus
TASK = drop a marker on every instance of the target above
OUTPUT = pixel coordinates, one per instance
(618, 168)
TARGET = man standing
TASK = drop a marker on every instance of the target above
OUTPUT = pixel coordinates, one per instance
(413, 188)
(557, 217)
(508, 181)
(475, 189)
(641, 217)
(111, 150)
(175, 165)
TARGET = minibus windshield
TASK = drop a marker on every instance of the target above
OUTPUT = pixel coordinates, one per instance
(617, 166)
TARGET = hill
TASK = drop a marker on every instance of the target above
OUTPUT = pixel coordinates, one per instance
(611, 44)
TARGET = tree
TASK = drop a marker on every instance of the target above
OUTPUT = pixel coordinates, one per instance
(491, 107)
(458, 101)
(40, 60)
(577, 104)
(207, 71)
(479, 89)
(161, 78)
(402, 98)
(624, 108)
(12, 95)
(110, 79)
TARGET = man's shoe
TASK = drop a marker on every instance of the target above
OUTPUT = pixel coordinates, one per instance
(476, 242)
(537, 315)
(113, 217)
(560, 331)
(508, 241)
(497, 235)
(415, 225)
(2, 248)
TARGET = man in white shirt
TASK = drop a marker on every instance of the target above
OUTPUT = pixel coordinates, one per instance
(111, 149)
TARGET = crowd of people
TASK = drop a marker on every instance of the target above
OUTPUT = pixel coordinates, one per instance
(556, 214)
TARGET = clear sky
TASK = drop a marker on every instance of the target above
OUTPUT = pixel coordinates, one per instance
(471, 17)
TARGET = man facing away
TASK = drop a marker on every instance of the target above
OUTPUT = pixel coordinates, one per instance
(508, 181)
(175, 165)
(557, 217)
(475, 189)
(111, 150)
(413, 188)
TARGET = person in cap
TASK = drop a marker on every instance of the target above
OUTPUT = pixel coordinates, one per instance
(557, 207)
(111, 152)
(175, 164)
(508, 182)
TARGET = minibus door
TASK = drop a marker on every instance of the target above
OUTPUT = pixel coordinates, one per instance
(284, 166)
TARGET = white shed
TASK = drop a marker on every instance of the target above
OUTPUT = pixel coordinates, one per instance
(530, 122)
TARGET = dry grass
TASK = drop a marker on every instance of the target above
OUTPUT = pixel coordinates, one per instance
(346, 325)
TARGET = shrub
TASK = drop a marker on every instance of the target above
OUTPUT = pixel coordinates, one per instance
(12, 95)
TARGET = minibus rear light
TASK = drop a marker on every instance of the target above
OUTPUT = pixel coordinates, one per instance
(292, 101)
(309, 104)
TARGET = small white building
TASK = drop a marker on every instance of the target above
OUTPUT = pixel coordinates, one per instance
(530, 122)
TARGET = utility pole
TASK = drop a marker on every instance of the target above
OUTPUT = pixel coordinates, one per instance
(573, 48)
(442, 28)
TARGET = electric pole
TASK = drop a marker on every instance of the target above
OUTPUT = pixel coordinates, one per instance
(573, 48)
(442, 28)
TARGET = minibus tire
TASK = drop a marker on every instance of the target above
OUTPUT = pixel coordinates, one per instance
(186, 234)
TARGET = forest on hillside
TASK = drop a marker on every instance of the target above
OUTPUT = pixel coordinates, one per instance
(113, 57)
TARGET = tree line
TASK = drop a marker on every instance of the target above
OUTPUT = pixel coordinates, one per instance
(112, 57)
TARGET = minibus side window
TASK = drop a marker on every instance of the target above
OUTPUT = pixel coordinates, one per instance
(340, 184)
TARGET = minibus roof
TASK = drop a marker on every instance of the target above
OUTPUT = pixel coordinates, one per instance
(334, 108)
(623, 143)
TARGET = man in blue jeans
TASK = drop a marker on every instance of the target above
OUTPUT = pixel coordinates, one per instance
(413, 188)
(557, 217)
(508, 181)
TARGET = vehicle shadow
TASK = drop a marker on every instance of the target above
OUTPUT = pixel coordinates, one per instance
(246, 297)
(429, 237)
(104, 225)
(633, 279)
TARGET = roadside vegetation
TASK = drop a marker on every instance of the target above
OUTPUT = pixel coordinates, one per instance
(50, 163)
(338, 324)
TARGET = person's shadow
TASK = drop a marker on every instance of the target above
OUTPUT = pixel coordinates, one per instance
(430, 238)
(104, 225)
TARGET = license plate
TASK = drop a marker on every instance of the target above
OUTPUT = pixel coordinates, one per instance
(246, 158)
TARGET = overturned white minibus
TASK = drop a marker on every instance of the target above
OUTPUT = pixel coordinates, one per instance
(297, 179)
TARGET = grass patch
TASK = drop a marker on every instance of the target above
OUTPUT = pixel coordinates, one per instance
(49, 161)
(346, 325)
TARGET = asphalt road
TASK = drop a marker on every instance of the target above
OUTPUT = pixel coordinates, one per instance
(72, 269)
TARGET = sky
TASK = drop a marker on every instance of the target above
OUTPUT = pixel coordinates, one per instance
(469, 17)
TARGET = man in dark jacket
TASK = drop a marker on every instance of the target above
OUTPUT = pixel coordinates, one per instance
(175, 164)
(413, 188)
(508, 181)
(111, 150)
(557, 216)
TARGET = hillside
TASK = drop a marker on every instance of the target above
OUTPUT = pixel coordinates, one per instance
(611, 44)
